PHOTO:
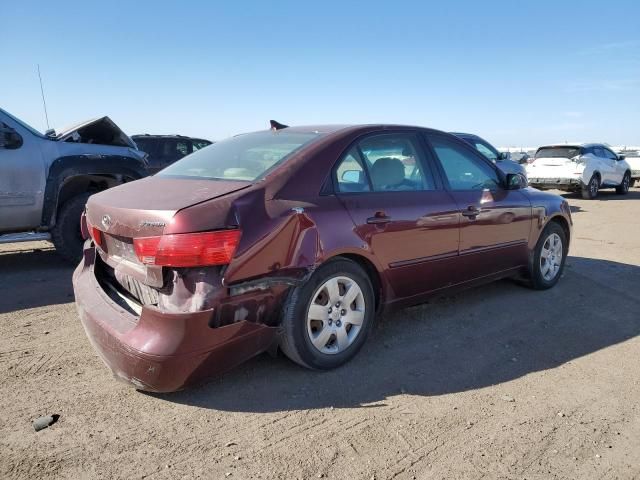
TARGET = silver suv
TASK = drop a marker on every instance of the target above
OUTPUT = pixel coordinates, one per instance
(45, 180)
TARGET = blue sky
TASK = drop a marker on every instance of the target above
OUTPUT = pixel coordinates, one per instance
(515, 73)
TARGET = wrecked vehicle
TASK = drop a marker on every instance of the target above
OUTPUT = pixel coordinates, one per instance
(45, 180)
(584, 168)
(295, 238)
(163, 150)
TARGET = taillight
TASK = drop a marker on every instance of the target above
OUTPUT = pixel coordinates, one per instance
(96, 235)
(188, 249)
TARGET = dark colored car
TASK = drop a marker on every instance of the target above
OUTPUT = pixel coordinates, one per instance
(295, 239)
(163, 150)
(502, 160)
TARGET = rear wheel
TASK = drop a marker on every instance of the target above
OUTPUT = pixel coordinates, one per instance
(590, 190)
(549, 257)
(327, 320)
(66, 235)
(623, 188)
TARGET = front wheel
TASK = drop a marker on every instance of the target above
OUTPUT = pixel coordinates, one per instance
(549, 257)
(327, 320)
(623, 188)
(66, 235)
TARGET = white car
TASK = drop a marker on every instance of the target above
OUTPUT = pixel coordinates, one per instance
(632, 157)
(584, 168)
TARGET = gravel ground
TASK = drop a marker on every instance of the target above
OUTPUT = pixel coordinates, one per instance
(496, 382)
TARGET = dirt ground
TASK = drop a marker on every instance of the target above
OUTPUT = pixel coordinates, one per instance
(496, 382)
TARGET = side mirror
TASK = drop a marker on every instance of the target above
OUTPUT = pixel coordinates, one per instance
(9, 138)
(352, 176)
(504, 156)
(621, 157)
(516, 181)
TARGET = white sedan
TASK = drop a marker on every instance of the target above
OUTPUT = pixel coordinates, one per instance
(585, 167)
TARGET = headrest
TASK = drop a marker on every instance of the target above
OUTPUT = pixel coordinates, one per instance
(387, 172)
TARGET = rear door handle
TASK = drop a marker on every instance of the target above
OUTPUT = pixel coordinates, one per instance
(378, 219)
(471, 212)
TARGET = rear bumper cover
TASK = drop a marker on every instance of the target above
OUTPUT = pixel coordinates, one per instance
(555, 182)
(161, 351)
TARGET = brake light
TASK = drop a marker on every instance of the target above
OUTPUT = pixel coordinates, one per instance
(188, 249)
(96, 235)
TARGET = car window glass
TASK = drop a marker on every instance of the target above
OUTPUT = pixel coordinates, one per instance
(609, 154)
(198, 144)
(350, 174)
(486, 151)
(599, 152)
(182, 148)
(463, 170)
(394, 163)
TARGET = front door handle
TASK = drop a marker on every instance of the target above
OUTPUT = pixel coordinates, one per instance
(379, 218)
(471, 212)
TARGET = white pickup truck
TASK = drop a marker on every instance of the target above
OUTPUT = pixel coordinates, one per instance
(584, 168)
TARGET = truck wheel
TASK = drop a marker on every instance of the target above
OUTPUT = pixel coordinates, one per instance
(66, 235)
(590, 190)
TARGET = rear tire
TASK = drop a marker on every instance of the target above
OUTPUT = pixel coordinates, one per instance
(318, 330)
(548, 257)
(590, 190)
(623, 188)
(66, 235)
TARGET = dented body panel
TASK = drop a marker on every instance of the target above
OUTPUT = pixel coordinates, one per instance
(291, 222)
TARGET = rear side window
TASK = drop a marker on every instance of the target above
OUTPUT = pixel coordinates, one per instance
(198, 144)
(351, 174)
(384, 163)
(464, 171)
(146, 145)
(245, 157)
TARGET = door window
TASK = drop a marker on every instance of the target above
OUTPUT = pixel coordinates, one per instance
(351, 174)
(463, 169)
(599, 152)
(486, 151)
(609, 154)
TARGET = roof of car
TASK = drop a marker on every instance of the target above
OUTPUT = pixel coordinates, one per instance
(574, 145)
(150, 135)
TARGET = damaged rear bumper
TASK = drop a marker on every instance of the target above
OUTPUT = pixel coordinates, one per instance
(161, 351)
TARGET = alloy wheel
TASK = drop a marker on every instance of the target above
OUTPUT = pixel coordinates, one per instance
(551, 257)
(335, 315)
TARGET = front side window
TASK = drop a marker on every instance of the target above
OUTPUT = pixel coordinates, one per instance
(599, 152)
(486, 151)
(609, 154)
(245, 157)
(463, 170)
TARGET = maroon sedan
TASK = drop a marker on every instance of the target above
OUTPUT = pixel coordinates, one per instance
(294, 238)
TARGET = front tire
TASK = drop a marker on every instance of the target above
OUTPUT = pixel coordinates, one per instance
(66, 235)
(327, 319)
(623, 188)
(549, 257)
(590, 190)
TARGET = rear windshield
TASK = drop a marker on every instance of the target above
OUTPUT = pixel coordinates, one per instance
(558, 152)
(246, 157)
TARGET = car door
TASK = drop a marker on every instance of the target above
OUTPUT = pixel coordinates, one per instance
(617, 168)
(22, 177)
(400, 211)
(604, 165)
(495, 223)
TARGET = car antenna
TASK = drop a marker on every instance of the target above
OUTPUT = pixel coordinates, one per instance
(277, 125)
(44, 103)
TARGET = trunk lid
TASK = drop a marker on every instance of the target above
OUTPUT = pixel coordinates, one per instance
(142, 209)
